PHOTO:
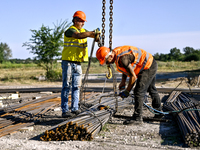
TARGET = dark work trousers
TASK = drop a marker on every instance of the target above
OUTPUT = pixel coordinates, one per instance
(146, 83)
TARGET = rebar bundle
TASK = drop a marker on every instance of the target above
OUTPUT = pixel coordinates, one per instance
(86, 125)
(81, 128)
(187, 116)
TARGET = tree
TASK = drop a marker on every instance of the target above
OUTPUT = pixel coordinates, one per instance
(5, 52)
(28, 60)
(156, 56)
(162, 57)
(191, 57)
(191, 54)
(188, 50)
(175, 54)
(46, 44)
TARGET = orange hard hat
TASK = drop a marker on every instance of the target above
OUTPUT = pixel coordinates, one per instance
(102, 54)
(80, 14)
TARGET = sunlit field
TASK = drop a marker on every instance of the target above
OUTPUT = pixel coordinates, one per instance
(12, 74)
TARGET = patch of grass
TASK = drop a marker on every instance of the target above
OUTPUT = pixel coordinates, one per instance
(18, 75)
(177, 66)
(144, 139)
(11, 65)
(162, 141)
(105, 128)
(171, 140)
(95, 68)
(162, 66)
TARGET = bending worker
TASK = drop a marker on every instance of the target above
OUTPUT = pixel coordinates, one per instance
(74, 52)
(134, 63)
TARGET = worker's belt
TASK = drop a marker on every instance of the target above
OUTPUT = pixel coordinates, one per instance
(75, 62)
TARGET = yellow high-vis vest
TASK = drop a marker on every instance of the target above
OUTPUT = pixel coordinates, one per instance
(75, 49)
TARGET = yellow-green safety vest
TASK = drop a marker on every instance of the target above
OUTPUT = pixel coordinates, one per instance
(75, 49)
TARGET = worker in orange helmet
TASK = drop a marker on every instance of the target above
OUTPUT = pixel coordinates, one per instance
(140, 67)
(75, 52)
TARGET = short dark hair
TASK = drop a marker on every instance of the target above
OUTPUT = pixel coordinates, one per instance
(75, 18)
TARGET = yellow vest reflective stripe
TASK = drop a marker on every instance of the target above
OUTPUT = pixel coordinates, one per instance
(75, 44)
(143, 59)
(75, 49)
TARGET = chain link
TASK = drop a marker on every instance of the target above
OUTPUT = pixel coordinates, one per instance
(111, 24)
(103, 21)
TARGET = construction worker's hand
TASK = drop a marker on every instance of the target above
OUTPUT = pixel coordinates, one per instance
(97, 35)
(97, 31)
(124, 94)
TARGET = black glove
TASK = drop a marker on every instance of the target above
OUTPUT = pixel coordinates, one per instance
(124, 94)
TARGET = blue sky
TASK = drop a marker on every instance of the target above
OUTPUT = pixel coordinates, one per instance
(153, 25)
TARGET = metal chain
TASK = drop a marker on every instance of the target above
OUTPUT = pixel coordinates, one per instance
(111, 24)
(103, 21)
(110, 46)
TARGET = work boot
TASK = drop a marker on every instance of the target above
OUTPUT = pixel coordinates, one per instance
(137, 120)
(67, 114)
(76, 112)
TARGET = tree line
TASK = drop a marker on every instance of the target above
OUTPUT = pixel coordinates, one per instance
(190, 54)
(47, 43)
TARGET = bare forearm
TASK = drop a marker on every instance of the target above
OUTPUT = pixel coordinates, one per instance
(84, 35)
(131, 82)
(123, 82)
(124, 78)
(132, 76)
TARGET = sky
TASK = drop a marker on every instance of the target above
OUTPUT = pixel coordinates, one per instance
(153, 25)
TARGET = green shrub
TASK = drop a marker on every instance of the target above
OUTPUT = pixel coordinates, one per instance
(54, 75)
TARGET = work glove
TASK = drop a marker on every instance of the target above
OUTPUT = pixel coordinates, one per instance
(97, 35)
(124, 94)
(97, 31)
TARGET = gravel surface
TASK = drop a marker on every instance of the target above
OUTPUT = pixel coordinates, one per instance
(151, 135)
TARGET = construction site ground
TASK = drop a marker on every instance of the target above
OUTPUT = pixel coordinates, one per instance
(153, 135)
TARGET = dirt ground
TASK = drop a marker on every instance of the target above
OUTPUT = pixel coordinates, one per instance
(151, 135)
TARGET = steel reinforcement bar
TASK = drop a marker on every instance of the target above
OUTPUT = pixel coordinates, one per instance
(188, 120)
(18, 116)
(87, 124)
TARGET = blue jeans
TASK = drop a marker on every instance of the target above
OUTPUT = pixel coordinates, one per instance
(71, 76)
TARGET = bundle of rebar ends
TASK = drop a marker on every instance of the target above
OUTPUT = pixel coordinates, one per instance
(186, 110)
(87, 124)
(81, 128)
